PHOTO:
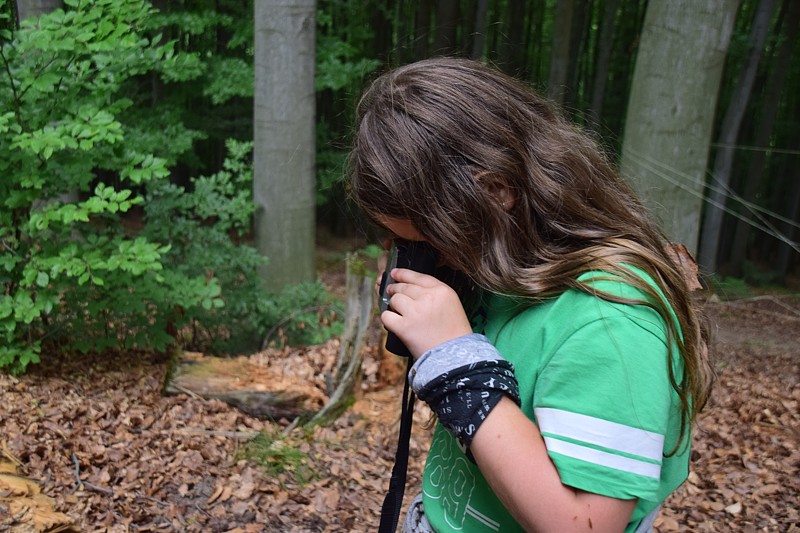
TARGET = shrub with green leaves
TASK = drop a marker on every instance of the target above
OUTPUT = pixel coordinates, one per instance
(70, 167)
(206, 225)
(83, 145)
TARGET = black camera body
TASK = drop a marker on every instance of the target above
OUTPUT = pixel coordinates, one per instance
(413, 255)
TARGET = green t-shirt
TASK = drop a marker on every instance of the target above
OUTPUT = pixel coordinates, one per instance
(593, 376)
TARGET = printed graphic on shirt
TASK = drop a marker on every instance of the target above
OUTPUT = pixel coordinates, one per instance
(451, 481)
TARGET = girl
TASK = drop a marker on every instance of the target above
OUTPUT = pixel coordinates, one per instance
(567, 381)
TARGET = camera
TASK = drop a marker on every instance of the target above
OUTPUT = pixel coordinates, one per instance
(414, 255)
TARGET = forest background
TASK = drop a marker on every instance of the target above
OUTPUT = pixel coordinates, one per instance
(133, 165)
(126, 151)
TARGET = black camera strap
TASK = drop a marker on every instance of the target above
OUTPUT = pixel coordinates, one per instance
(421, 257)
(393, 502)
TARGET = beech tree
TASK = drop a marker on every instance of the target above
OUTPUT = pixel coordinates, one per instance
(767, 114)
(284, 133)
(670, 114)
(559, 60)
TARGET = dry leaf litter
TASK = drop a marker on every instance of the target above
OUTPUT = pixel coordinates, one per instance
(92, 445)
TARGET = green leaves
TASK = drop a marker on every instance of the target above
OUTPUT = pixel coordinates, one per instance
(98, 249)
(338, 65)
(145, 167)
(67, 83)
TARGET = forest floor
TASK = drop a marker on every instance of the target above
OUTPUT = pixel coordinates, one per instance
(112, 454)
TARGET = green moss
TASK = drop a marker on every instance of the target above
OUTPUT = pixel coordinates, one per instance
(280, 456)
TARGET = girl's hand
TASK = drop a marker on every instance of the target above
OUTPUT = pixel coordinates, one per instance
(424, 311)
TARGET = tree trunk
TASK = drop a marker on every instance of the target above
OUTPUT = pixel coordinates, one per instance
(446, 27)
(671, 108)
(627, 38)
(790, 205)
(786, 252)
(382, 25)
(729, 132)
(422, 28)
(33, 8)
(535, 43)
(284, 132)
(479, 31)
(511, 51)
(581, 14)
(559, 59)
(766, 120)
(605, 40)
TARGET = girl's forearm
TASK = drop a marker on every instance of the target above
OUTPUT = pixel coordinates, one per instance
(512, 456)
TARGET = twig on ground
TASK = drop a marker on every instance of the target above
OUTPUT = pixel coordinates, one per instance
(197, 506)
(186, 391)
(771, 298)
(291, 426)
(79, 483)
(7, 453)
(141, 496)
(244, 435)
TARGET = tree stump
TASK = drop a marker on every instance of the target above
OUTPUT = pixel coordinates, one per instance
(358, 314)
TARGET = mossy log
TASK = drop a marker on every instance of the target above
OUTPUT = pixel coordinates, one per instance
(244, 383)
(274, 389)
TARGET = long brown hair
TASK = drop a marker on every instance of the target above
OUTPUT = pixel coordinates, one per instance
(435, 142)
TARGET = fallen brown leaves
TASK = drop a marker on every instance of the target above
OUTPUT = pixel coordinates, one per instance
(746, 459)
(115, 455)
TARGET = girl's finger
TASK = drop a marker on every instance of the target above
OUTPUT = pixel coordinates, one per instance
(399, 303)
(416, 278)
(410, 290)
(392, 321)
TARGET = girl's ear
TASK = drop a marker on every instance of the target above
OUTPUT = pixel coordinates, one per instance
(497, 188)
(506, 197)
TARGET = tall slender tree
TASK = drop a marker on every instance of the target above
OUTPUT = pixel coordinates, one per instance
(605, 40)
(445, 37)
(422, 29)
(767, 113)
(671, 108)
(284, 132)
(478, 40)
(559, 59)
(789, 184)
(512, 44)
(729, 132)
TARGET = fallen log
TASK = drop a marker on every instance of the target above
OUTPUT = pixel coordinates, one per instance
(248, 383)
(23, 507)
(270, 385)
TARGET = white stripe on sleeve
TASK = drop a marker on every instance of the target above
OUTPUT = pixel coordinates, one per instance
(599, 432)
(591, 455)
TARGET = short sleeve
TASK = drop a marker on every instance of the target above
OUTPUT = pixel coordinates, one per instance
(603, 400)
